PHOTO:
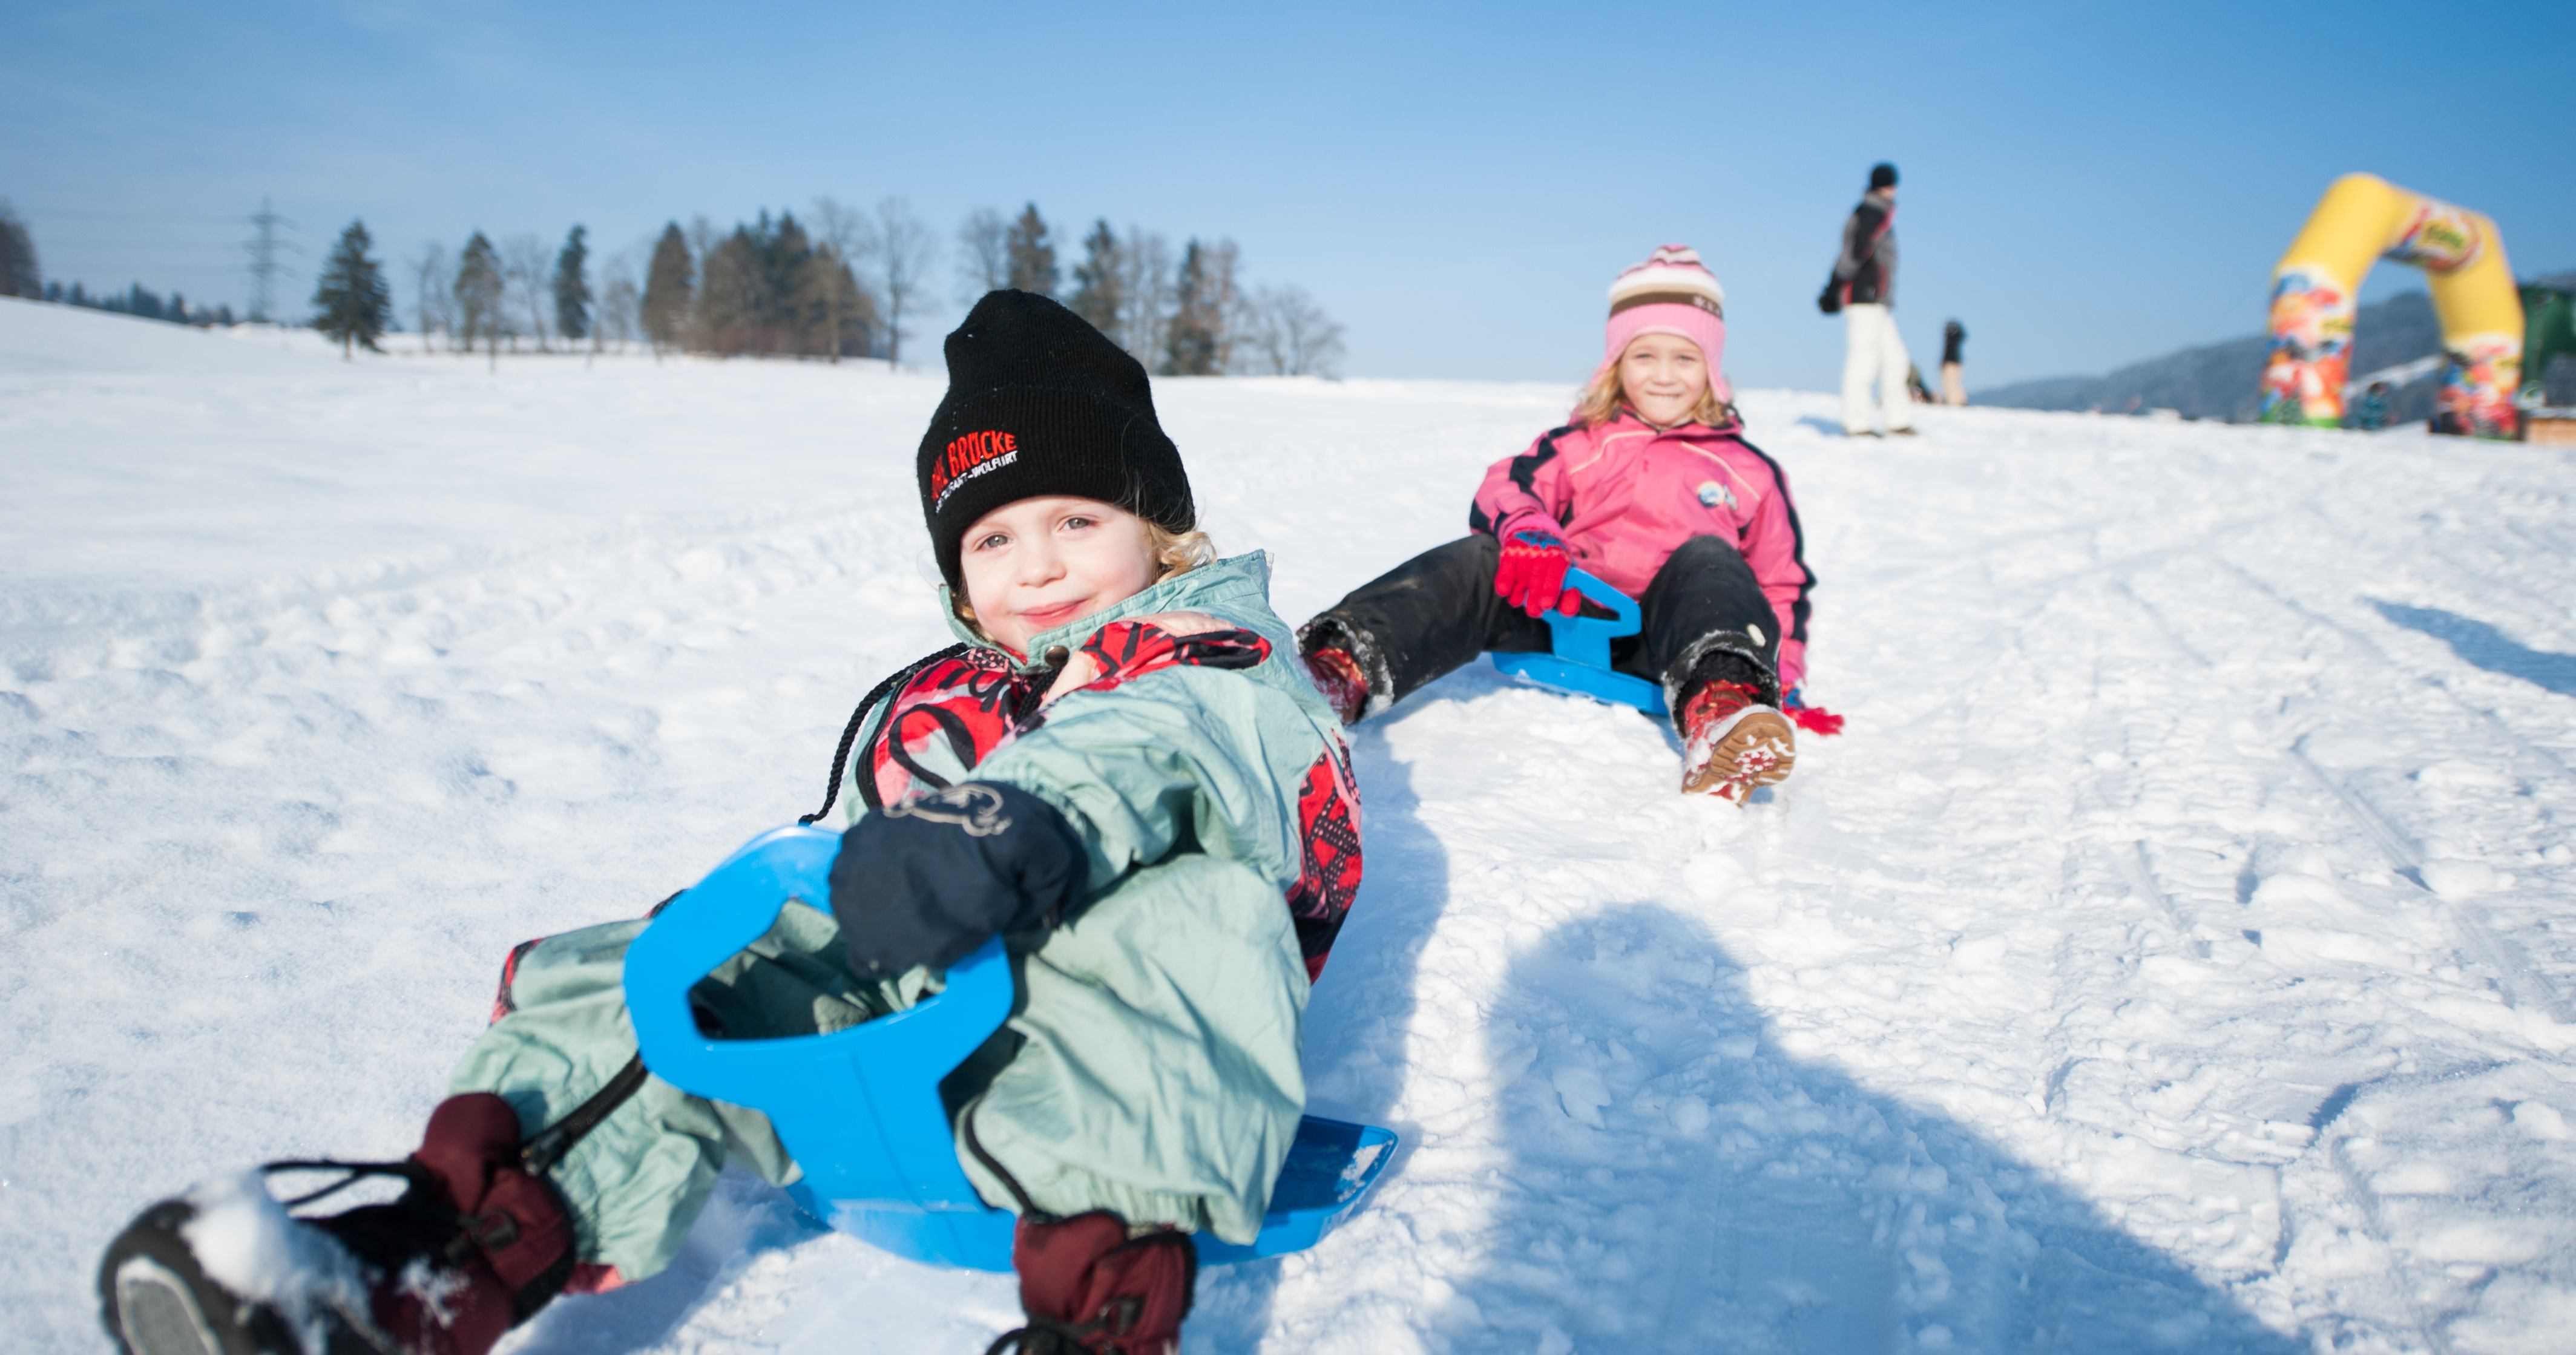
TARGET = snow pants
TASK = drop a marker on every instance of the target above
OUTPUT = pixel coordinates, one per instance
(1872, 348)
(1437, 611)
(1096, 1095)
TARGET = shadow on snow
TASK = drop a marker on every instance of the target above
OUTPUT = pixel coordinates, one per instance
(2485, 646)
(1676, 1181)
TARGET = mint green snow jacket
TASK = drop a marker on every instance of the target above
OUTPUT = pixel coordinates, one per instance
(1157, 1070)
(1151, 1065)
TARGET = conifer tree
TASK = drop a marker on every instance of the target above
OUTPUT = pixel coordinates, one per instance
(353, 302)
(733, 294)
(840, 235)
(1031, 254)
(792, 308)
(572, 287)
(668, 282)
(1200, 341)
(479, 296)
(1189, 348)
(19, 275)
(1099, 281)
(1220, 302)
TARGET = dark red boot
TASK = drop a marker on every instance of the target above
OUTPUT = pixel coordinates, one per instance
(1733, 741)
(475, 1245)
(474, 1248)
(1339, 677)
(1093, 1286)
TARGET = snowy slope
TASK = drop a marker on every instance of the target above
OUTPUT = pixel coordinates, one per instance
(2178, 951)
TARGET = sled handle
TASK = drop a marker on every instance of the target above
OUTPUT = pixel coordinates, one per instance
(859, 1109)
(1586, 639)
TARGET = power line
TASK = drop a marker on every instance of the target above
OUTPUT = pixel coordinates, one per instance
(132, 216)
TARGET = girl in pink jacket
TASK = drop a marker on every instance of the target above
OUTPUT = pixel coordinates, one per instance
(1653, 490)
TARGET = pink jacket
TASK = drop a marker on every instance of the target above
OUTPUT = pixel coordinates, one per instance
(1624, 497)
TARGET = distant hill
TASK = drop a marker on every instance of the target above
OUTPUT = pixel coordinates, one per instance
(2223, 380)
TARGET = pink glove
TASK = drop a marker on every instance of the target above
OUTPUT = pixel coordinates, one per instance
(1532, 574)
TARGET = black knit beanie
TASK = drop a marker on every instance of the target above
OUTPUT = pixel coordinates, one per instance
(1882, 176)
(1039, 402)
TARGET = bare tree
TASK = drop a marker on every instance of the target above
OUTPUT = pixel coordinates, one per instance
(1145, 274)
(621, 300)
(1290, 334)
(435, 276)
(703, 239)
(844, 239)
(527, 266)
(983, 255)
(903, 255)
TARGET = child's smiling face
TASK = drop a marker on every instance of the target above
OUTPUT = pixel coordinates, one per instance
(1664, 377)
(1034, 565)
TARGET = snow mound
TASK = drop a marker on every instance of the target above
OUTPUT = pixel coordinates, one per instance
(40, 339)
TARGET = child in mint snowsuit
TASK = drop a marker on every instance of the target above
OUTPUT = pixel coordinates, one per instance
(1122, 769)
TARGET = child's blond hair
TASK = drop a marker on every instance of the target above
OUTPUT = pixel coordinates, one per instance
(1604, 395)
(1178, 552)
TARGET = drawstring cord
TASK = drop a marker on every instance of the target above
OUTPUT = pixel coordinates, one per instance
(850, 734)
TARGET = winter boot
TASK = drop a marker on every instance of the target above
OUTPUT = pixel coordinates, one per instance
(1337, 675)
(1094, 1286)
(1733, 742)
(475, 1245)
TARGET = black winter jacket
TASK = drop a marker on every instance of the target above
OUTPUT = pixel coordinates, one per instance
(1867, 266)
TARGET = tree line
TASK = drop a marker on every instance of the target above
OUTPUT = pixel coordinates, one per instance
(1188, 314)
(21, 276)
(844, 281)
(841, 282)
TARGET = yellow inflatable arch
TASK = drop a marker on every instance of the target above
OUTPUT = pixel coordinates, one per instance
(2361, 218)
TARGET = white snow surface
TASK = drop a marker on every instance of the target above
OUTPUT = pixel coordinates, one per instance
(2177, 951)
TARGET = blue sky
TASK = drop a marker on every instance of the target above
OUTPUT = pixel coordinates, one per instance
(2084, 185)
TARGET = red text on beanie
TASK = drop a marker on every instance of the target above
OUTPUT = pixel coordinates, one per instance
(1040, 403)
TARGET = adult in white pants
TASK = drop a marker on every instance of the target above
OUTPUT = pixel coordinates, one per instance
(1872, 350)
(1863, 287)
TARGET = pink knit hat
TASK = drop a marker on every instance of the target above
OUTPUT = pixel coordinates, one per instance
(1672, 292)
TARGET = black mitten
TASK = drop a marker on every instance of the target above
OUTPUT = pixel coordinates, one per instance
(927, 881)
(1832, 300)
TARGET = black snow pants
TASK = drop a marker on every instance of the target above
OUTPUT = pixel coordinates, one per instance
(1704, 619)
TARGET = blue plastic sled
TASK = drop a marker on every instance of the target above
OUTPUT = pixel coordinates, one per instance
(1580, 662)
(859, 1109)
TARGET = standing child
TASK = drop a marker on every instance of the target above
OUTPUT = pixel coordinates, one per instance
(1653, 490)
(1954, 391)
(1120, 772)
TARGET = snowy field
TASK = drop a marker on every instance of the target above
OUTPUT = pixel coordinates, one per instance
(2178, 952)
